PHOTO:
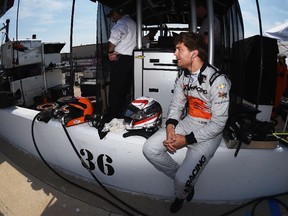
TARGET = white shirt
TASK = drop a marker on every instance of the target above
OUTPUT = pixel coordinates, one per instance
(123, 35)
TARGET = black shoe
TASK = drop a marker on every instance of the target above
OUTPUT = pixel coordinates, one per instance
(190, 195)
(176, 205)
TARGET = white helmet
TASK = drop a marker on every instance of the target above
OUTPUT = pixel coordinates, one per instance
(143, 113)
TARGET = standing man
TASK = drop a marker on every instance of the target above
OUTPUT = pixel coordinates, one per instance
(206, 91)
(147, 39)
(122, 42)
(202, 15)
(281, 83)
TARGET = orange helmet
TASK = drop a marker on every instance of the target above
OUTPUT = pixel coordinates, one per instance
(79, 110)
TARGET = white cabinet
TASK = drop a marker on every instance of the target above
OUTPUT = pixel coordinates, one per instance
(154, 76)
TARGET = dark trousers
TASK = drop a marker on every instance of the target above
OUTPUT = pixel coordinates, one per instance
(121, 79)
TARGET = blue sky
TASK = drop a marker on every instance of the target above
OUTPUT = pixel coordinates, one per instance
(50, 19)
(273, 13)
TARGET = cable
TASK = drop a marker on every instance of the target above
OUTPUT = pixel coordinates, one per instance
(258, 200)
(261, 200)
(95, 178)
(92, 174)
(59, 175)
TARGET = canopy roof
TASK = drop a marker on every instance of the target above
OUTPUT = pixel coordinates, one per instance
(279, 32)
(164, 11)
(5, 5)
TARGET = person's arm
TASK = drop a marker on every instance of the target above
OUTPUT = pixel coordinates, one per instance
(114, 39)
(173, 141)
(111, 48)
(111, 52)
(170, 138)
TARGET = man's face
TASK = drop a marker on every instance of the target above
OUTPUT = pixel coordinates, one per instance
(183, 56)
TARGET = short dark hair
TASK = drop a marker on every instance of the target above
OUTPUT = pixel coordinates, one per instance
(202, 3)
(118, 10)
(192, 41)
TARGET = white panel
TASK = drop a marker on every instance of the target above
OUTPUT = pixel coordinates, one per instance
(159, 85)
(138, 73)
(154, 75)
(32, 86)
(53, 77)
(160, 60)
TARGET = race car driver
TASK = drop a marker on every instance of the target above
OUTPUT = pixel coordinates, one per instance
(206, 91)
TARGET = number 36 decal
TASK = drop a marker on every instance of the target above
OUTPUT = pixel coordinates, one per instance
(103, 162)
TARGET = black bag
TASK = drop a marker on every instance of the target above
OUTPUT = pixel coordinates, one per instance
(7, 98)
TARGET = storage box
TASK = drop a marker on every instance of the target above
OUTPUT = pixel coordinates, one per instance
(232, 144)
(90, 89)
(59, 91)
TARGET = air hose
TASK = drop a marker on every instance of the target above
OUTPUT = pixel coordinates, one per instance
(38, 117)
(257, 202)
(45, 117)
(94, 177)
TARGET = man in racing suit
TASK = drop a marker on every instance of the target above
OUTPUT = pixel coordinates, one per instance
(206, 92)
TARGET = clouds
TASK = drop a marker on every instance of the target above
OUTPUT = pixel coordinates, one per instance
(273, 13)
(41, 17)
(44, 11)
(37, 17)
(50, 20)
(85, 23)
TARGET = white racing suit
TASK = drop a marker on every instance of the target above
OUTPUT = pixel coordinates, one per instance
(207, 113)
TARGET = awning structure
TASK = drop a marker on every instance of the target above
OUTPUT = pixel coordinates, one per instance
(155, 12)
(279, 32)
(5, 5)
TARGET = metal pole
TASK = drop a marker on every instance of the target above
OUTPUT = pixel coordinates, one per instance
(43, 70)
(139, 23)
(210, 31)
(261, 56)
(72, 75)
(7, 30)
(193, 24)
